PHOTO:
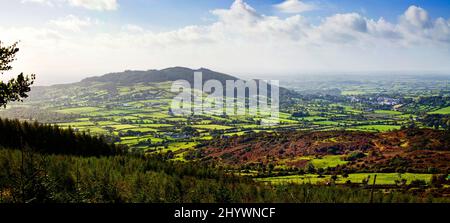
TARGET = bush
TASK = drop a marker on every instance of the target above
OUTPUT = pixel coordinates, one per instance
(355, 156)
(418, 183)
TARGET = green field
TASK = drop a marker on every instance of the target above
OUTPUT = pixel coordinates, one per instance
(328, 161)
(382, 178)
(212, 127)
(387, 112)
(381, 128)
(443, 111)
(326, 123)
(138, 114)
(80, 110)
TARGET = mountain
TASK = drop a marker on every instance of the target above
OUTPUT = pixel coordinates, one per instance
(155, 76)
(130, 77)
(116, 90)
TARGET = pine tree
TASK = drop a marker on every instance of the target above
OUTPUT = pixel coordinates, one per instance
(15, 89)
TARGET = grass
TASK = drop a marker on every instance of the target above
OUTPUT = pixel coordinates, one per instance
(296, 179)
(132, 140)
(156, 125)
(388, 112)
(386, 178)
(144, 130)
(382, 178)
(328, 161)
(241, 133)
(443, 111)
(79, 110)
(287, 121)
(155, 110)
(381, 128)
(112, 112)
(123, 127)
(180, 145)
(159, 115)
(77, 124)
(326, 123)
(107, 123)
(96, 130)
(177, 119)
(251, 126)
(212, 127)
(313, 118)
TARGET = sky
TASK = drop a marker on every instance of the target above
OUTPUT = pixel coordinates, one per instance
(64, 41)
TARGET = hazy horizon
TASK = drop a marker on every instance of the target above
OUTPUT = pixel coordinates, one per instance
(345, 75)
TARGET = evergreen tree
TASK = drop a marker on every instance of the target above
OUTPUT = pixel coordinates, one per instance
(15, 89)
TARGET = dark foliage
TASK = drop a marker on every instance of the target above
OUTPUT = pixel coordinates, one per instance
(16, 88)
(51, 139)
(27, 177)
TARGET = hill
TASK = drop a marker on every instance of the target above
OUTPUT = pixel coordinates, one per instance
(155, 76)
(160, 79)
(129, 78)
(409, 150)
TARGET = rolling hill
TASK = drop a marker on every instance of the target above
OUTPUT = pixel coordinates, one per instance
(110, 82)
(409, 150)
(154, 76)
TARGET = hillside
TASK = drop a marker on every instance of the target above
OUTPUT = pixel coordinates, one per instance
(409, 150)
(155, 76)
(159, 79)
(322, 138)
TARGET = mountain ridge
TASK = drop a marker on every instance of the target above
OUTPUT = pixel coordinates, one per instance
(155, 76)
(111, 81)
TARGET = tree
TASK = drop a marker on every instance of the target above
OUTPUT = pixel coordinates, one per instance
(310, 168)
(15, 89)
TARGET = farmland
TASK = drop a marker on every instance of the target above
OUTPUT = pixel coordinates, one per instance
(343, 115)
(443, 111)
(382, 178)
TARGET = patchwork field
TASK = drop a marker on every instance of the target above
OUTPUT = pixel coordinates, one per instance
(340, 125)
(382, 178)
(443, 111)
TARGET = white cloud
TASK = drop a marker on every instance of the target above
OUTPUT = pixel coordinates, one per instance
(441, 30)
(71, 23)
(416, 17)
(46, 2)
(99, 5)
(133, 28)
(241, 41)
(238, 12)
(295, 6)
(341, 28)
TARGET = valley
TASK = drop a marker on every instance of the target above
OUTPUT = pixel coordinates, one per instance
(330, 131)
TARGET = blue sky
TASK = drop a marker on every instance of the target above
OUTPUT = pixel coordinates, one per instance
(179, 13)
(66, 40)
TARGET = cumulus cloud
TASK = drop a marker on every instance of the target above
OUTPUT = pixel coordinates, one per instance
(441, 30)
(239, 11)
(133, 28)
(416, 17)
(341, 28)
(295, 6)
(71, 23)
(45, 2)
(99, 5)
(242, 40)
